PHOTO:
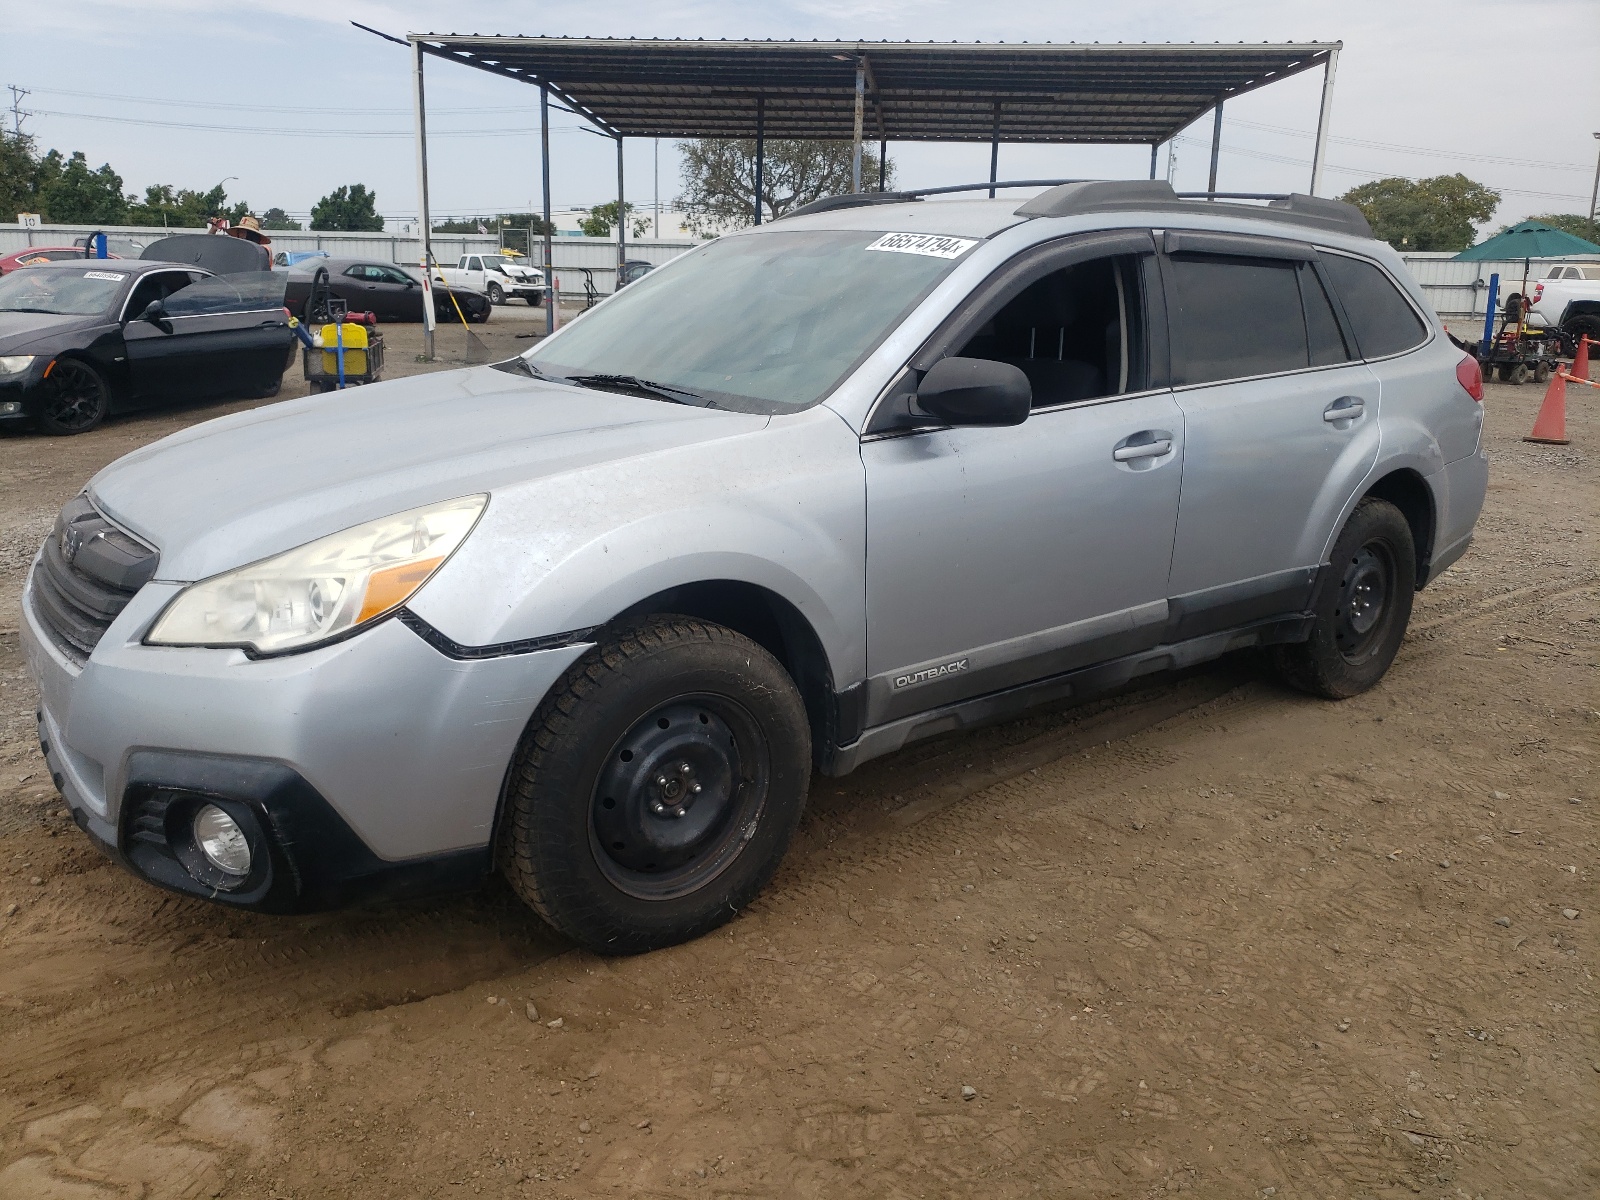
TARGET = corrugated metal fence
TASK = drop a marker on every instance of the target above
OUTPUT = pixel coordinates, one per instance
(572, 254)
(1457, 290)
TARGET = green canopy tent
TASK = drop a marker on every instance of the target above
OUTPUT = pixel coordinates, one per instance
(1527, 241)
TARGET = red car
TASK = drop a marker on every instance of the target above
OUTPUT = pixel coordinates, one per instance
(35, 255)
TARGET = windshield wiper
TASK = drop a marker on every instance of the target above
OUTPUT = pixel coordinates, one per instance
(646, 387)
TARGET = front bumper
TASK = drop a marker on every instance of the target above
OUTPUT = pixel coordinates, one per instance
(375, 764)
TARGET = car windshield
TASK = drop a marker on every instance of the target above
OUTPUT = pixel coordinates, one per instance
(67, 291)
(764, 323)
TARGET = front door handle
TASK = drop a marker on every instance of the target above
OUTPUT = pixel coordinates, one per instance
(1154, 449)
(1345, 408)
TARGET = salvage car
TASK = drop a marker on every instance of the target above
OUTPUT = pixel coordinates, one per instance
(35, 256)
(874, 472)
(387, 290)
(84, 338)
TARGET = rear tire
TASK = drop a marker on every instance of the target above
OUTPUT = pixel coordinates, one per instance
(1363, 610)
(76, 399)
(1583, 326)
(1519, 374)
(657, 787)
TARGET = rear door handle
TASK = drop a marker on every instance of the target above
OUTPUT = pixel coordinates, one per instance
(1153, 449)
(1345, 408)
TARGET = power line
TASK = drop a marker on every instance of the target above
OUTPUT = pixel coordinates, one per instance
(1403, 149)
(1267, 156)
(298, 131)
(322, 110)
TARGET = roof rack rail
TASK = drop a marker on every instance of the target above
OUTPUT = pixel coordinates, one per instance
(849, 200)
(1068, 197)
(858, 199)
(1097, 196)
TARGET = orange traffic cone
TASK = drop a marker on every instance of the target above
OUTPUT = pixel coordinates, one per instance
(1580, 362)
(1550, 426)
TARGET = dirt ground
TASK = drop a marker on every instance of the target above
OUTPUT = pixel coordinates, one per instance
(1210, 937)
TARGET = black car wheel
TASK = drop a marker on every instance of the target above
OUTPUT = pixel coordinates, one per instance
(496, 296)
(76, 399)
(1363, 612)
(657, 787)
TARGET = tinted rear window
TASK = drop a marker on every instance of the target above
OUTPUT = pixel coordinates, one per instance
(1383, 322)
(1327, 340)
(1235, 317)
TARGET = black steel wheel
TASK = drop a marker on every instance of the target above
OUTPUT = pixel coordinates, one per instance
(76, 399)
(675, 794)
(657, 787)
(1362, 611)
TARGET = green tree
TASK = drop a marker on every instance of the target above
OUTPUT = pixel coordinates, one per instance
(346, 209)
(493, 224)
(719, 178)
(77, 195)
(1573, 223)
(183, 208)
(19, 176)
(1425, 214)
(276, 218)
(602, 219)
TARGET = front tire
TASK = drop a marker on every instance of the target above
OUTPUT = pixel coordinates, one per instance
(657, 787)
(496, 296)
(76, 399)
(1363, 611)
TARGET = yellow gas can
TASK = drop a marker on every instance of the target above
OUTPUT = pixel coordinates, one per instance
(355, 349)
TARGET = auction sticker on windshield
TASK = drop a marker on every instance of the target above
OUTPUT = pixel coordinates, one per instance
(111, 275)
(931, 244)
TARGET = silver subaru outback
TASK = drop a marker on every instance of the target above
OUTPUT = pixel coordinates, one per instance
(880, 470)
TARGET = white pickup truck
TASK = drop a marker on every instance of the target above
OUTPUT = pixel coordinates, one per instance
(498, 277)
(1568, 298)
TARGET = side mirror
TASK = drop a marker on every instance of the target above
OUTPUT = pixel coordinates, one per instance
(975, 391)
(410, 282)
(155, 315)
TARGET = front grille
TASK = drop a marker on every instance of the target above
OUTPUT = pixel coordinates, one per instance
(88, 571)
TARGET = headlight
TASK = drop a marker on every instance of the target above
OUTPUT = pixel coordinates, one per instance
(322, 590)
(15, 364)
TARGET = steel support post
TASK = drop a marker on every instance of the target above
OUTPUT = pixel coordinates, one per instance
(1154, 146)
(994, 150)
(552, 301)
(622, 220)
(861, 115)
(1319, 152)
(425, 223)
(1216, 146)
(1594, 192)
(761, 151)
(883, 160)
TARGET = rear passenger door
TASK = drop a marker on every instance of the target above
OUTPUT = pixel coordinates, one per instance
(1282, 424)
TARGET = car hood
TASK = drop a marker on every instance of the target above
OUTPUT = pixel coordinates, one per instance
(244, 487)
(23, 333)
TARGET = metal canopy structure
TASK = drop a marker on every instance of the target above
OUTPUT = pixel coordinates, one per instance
(1045, 92)
(915, 91)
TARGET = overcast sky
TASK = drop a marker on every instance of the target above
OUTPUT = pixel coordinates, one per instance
(189, 92)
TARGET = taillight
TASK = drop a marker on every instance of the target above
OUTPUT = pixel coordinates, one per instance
(1538, 291)
(1470, 375)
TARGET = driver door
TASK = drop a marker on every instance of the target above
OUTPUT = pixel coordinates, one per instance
(161, 362)
(998, 556)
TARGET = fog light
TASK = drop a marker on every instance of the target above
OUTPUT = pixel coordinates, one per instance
(10, 408)
(222, 841)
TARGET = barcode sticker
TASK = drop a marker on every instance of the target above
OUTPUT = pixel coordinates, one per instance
(934, 245)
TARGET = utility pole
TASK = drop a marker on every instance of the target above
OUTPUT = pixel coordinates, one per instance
(18, 115)
(1594, 192)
